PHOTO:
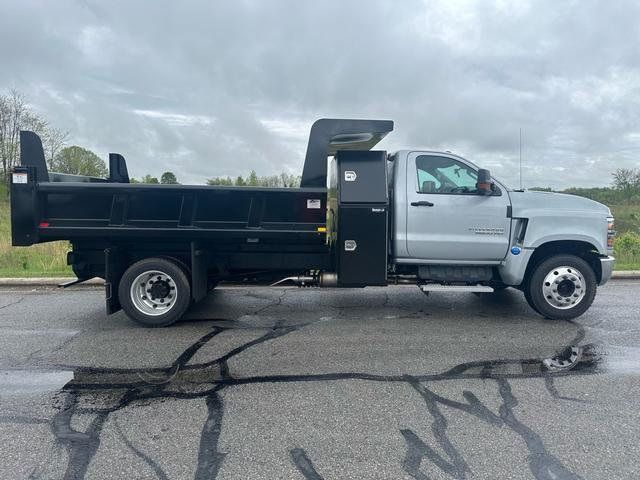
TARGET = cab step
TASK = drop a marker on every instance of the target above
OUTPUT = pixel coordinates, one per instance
(434, 287)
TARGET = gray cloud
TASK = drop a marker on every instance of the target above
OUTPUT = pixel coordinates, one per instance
(209, 88)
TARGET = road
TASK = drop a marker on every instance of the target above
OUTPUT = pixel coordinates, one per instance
(285, 383)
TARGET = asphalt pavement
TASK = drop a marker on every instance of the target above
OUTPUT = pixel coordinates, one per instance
(287, 383)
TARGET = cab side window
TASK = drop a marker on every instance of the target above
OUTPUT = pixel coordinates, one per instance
(445, 175)
(427, 183)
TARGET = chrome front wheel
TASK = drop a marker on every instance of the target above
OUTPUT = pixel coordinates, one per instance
(564, 287)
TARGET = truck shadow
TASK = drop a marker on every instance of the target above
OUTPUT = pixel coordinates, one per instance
(409, 301)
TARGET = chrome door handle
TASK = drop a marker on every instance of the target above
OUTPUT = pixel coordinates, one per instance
(422, 203)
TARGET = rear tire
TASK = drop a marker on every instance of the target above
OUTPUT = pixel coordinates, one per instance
(561, 287)
(154, 292)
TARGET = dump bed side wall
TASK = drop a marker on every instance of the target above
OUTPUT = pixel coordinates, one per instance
(74, 210)
(241, 228)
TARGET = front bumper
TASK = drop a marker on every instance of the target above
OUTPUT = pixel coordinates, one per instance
(606, 266)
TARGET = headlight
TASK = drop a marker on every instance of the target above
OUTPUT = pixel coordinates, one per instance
(611, 232)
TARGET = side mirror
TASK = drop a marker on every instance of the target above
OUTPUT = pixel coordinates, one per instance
(484, 182)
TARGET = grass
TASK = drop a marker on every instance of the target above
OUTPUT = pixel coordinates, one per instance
(627, 266)
(49, 259)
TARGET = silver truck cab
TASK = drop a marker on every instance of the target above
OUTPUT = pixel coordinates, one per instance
(555, 247)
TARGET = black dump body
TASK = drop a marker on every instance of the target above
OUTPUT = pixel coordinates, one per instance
(217, 233)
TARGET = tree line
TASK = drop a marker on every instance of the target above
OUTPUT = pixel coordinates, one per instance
(624, 189)
(284, 180)
(16, 115)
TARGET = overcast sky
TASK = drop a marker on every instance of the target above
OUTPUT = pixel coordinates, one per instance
(222, 87)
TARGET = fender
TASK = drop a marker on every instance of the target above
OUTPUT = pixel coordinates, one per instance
(556, 216)
(592, 240)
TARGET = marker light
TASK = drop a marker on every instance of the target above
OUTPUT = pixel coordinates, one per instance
(611, 232)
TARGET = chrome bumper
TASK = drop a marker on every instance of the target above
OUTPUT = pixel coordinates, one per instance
(606, 264)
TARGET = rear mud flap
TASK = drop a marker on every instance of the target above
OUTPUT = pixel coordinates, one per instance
(114, 268)
(199, 265)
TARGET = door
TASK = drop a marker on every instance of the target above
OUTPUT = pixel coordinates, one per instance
(447, 219)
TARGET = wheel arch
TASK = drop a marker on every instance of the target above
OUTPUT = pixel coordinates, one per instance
(583, 249)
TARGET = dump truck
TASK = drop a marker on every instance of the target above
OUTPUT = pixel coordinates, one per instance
(360, 218)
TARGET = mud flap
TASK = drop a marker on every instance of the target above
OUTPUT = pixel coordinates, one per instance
(199, 265)
(115, 266)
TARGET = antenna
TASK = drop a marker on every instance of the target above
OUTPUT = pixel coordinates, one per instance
(521, 158)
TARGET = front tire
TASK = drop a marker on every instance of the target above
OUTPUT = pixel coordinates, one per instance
(561, 287)
(154, 292)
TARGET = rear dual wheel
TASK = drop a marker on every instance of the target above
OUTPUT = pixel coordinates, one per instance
(154, 292)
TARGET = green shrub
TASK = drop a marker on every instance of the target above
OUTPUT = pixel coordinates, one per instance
(627, 243)
(626, 249)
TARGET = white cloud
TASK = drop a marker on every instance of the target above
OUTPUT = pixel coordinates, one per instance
(95, 43)
(176, 119)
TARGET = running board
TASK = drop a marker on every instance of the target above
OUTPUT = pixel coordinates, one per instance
(434, 287)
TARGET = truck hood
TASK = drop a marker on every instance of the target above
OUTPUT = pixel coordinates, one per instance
(525, 202)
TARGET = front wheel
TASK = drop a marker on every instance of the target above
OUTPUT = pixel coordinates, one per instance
(154, 292)
(561, 287)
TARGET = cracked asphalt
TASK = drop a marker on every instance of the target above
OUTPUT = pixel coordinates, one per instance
(286, 383)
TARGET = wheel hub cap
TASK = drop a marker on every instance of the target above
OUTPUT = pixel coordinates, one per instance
(564, 287)
(153, 292)
(159, 289)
